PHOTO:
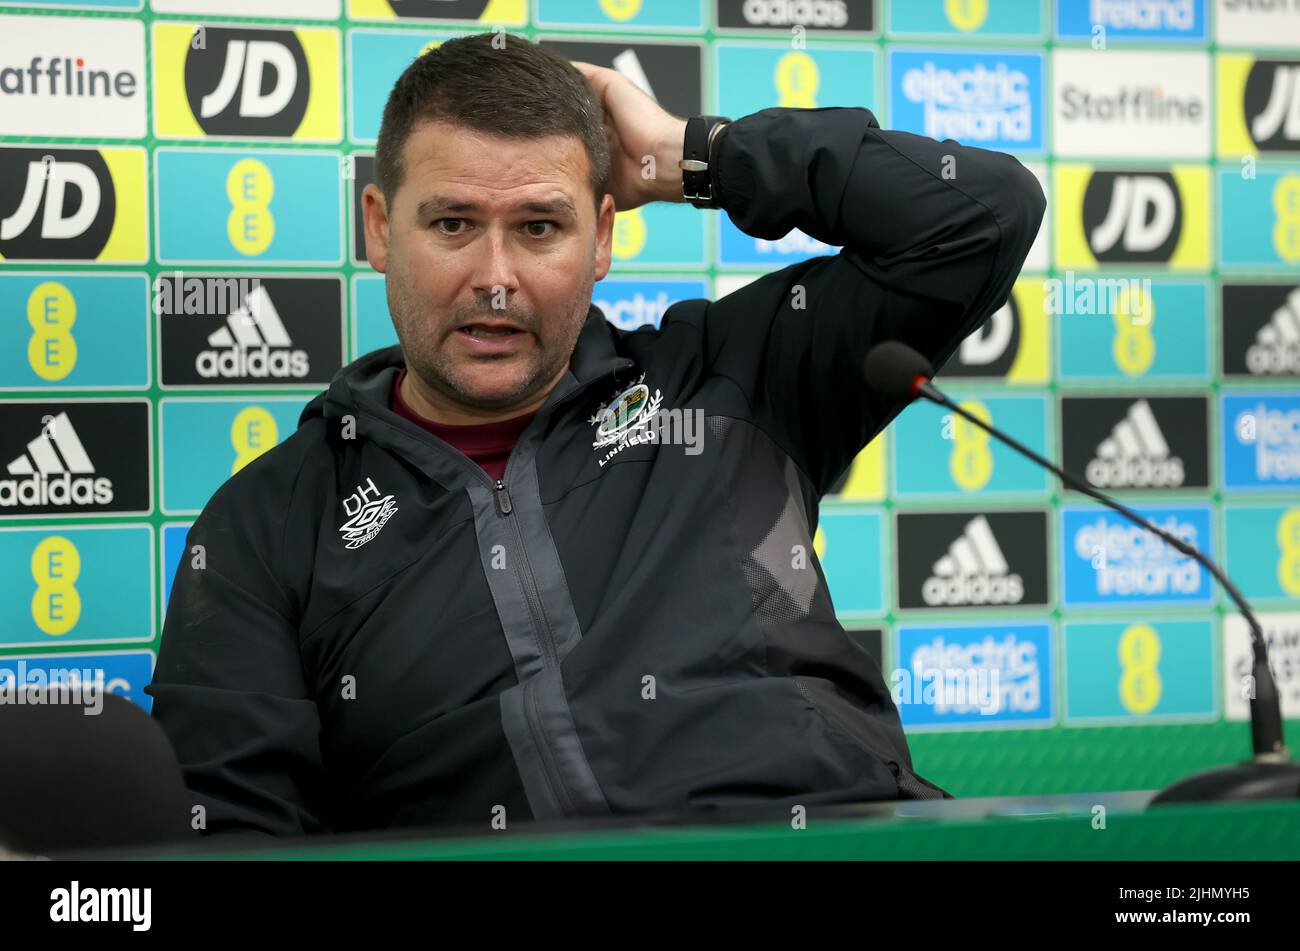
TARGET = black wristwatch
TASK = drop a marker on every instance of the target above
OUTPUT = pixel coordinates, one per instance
(697, 149)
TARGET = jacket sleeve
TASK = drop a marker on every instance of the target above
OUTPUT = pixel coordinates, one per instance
(229, 689)
(932, 233)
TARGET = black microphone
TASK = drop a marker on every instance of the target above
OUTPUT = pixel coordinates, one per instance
(898, 372)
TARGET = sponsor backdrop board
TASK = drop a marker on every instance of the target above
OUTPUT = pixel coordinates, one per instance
(181, 269)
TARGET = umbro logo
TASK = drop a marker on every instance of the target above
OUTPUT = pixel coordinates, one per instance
(367, 512)
(1135, 455)
(973, 571)
(54, 470)
(252, 345)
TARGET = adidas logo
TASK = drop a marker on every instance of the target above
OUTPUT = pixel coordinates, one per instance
(54, 470)
(253, 344)
(1277, 344)
(973, 572)
(1135, 454)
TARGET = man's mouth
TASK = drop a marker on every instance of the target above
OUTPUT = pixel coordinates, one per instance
(489, 330)
(493, 338)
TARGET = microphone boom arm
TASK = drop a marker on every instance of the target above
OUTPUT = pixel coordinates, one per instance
(1266, 731)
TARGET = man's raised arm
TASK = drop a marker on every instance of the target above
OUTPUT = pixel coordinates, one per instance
(933, 235)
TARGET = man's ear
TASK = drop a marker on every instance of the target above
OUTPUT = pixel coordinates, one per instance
(375, 210)
(604, 236)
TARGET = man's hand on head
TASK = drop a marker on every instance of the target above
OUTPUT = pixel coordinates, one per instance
(639, 131)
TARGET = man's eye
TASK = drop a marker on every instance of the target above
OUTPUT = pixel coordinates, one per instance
(545, 224)
(441, 223)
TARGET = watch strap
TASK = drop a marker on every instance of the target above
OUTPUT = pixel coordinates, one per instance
(697, 181)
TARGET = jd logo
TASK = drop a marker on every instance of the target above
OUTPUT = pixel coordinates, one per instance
(1132, 216)
(54, 203)
(992, 349)
(1272, 105)
(248, 82)
(441, 9)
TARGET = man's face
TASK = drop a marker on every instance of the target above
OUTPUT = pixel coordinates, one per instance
(487, 234)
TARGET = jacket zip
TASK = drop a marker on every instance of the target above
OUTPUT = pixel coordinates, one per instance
(554, 783)
(503, 499)
(550, 771)
(537, 615)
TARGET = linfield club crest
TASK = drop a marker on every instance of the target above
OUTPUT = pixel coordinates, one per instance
(627, 419)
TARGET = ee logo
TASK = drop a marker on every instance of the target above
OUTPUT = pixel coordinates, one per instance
(252, 433)
(1286, 227)
(971, 462)
(1288, 543)
(52, 350)
(629, 234)
(797, 80)
(620, 10)
(250, 225)
(56, 605)
(1133, 346)
(966, 15)
(1140, 684)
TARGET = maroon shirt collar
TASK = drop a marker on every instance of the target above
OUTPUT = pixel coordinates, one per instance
(474, 440)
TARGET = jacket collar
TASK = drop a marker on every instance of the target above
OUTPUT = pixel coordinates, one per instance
(595, 355)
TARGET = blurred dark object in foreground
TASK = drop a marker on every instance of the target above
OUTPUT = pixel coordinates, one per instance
(75, 779)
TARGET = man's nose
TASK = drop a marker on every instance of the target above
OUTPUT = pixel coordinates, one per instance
(494, 268)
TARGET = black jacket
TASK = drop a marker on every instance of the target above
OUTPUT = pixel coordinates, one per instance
(379, 635)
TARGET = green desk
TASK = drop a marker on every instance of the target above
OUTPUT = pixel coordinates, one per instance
(1047, 827)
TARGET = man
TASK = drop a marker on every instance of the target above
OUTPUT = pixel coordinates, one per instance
(528, 565)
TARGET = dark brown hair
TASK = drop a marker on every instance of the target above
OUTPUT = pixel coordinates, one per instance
(497, 83)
